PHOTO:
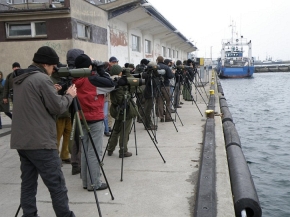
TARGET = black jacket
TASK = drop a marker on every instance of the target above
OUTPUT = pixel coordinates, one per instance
(168, 74)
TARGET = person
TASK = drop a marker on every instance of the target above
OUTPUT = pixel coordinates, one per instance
(117, 111)
(189, 76)
(164, 92)
(4, 107)
(112, 61)
(75, 149)
(33, 131)
(63, 123)
(140, 101)
(178, 86)
(92, 104)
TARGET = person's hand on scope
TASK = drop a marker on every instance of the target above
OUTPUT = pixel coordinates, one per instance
(72, 90)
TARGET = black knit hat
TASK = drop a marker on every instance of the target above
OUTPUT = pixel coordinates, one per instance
(83, 61)
(144, 61)
(46, 55)
(16, 64)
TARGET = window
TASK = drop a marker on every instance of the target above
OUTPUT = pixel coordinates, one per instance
(173, 53)
(169, 52)
(84, 31)
(176, 54)
(29, 29)
(163, 51)
(135, 43)
(147, 46)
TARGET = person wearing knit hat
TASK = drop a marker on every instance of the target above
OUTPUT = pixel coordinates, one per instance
(46, 55)
(91, 95)
(9, 86)
(83, 61)
(116, 70)
(120, 133)
(36, 104)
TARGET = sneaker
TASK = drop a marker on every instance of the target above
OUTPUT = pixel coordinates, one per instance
(181, 103)
(126, 154)
(108, 134)
(178, 106)
(161, 120)
(172, 111)
(168, 120)
(102, 187)
(110, 153)
(152, 127)
(75, 170)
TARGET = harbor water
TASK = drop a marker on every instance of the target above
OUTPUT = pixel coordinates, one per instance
(260, 107)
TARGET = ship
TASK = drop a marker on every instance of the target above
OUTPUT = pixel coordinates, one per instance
(233, 62)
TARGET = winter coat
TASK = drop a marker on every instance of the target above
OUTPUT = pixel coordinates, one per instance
(3, 107)
(35, 106)
(117, 108)
(8, 86)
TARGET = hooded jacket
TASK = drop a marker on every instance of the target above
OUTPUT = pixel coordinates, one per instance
(35, 106)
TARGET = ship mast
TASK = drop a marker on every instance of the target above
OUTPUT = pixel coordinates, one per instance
(232, 25)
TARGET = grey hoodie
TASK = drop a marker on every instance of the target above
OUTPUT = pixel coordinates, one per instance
(35, 106)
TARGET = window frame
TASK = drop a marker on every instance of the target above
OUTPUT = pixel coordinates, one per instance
(137, 47)
(163, 51)
(32, 29)
(87, 29)
(169, 52)
(148, 46)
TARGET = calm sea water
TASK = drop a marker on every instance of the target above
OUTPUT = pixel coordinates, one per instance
(260, 107)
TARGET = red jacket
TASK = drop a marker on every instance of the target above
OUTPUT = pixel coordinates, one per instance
(91, 102)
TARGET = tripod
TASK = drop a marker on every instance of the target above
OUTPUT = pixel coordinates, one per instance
(127, 101)
(187, 87)
(163, 98)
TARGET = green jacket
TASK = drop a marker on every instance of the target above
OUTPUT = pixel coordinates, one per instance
(117, 108)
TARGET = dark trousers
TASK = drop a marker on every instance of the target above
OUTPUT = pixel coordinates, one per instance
(117, 134)
(148, 111)
(165, 91)
(47, 164)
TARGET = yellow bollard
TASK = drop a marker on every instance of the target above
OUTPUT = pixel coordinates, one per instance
(211, 92)
(209, 113)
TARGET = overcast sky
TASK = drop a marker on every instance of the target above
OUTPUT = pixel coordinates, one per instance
(206, 22)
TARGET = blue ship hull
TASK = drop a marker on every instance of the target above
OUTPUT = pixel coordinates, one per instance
(236, 72)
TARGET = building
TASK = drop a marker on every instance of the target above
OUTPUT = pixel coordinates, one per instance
(128, 29)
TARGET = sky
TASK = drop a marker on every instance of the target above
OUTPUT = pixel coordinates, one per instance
(206, 22)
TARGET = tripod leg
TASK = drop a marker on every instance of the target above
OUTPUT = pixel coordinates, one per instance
(108, 142)
(18, 210)
(135, 134)
(151, 138)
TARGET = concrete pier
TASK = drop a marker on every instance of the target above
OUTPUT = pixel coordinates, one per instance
(150, 187)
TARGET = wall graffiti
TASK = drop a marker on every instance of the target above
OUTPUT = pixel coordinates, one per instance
(118, 38)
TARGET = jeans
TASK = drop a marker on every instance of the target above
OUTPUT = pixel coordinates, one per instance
(97, 131)
(47, 164)
(106, 111)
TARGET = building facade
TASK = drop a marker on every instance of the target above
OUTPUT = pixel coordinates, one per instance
(128, 29)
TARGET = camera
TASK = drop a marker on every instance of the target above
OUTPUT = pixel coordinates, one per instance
(152, 67)
(129, 81)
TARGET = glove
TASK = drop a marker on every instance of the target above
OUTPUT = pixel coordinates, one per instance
(122, 81)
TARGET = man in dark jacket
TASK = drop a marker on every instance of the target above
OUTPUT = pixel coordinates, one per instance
(117, 111)
(164, 91)
(33, 132)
